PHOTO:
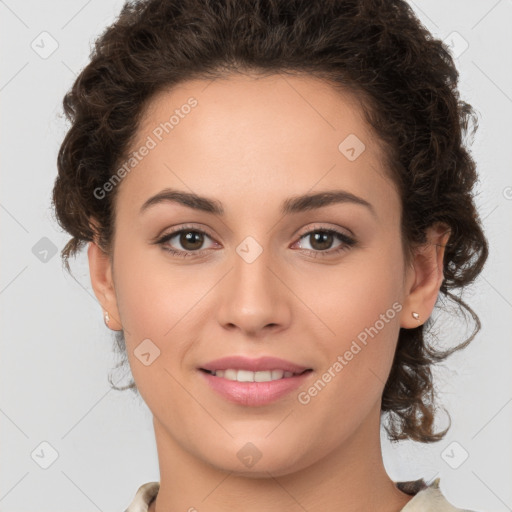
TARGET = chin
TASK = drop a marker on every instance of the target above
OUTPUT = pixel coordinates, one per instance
(258, 459)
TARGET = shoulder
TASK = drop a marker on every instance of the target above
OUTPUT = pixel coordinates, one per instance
(427, 498)
(145, 494)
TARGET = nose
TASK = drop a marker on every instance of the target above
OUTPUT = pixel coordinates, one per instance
(254, 298)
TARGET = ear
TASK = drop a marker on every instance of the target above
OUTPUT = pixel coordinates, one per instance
(425, 276)
(100, 269)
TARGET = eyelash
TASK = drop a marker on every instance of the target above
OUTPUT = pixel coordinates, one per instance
(347, 242)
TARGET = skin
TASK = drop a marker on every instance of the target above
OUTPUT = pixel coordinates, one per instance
(251, 143)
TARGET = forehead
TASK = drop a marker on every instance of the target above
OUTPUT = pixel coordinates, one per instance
(254, 139)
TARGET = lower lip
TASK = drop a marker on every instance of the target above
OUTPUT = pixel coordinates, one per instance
(254, 393)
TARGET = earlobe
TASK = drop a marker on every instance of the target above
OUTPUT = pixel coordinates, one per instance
(100, 270)
(427, 277)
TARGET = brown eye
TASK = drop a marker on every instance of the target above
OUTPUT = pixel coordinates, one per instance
(191, 240)
(321, 240)
(185, 242)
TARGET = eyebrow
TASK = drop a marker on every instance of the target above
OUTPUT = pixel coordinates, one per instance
(295, 204)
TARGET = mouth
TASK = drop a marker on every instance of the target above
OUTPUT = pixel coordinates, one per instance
(240, 375)
(254, 388)
(252, 381)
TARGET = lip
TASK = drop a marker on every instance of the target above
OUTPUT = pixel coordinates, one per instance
(254, 365)
(254, 393)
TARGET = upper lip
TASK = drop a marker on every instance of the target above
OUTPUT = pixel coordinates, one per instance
(253, 365)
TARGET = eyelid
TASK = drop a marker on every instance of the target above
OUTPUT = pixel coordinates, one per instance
(323, 227)
(183, 227)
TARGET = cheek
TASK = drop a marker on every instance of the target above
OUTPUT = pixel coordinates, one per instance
(353, 295)
(153, 308)
(160, 303)
(151, 295)
(361, 303)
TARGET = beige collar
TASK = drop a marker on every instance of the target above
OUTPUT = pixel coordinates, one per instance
(427, 498)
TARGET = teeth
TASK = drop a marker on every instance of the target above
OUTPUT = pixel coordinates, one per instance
(247, 376)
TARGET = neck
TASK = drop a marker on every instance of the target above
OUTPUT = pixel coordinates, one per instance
(352, 478)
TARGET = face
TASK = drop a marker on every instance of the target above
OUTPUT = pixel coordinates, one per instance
(318, 283)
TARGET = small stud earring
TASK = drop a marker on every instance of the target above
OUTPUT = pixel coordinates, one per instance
(107, 318)
(415, 315)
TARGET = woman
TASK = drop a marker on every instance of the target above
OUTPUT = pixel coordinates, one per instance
(275, 195)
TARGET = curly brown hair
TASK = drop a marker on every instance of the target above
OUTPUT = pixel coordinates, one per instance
(405, 80)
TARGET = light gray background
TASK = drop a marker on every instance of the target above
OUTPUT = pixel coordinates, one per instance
(56, 352)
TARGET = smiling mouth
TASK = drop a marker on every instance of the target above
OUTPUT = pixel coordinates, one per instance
(248, 376)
